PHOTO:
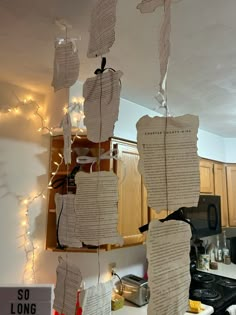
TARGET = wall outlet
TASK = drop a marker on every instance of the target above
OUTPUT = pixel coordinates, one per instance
(112, 267)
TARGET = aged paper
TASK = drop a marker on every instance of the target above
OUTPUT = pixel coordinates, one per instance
(168, 247)
(96, 204)
(168, 161)
(66, 125)
(68, 283)
(102, 28)
(66, 220)
(101, 106)
(66, 65)
(148, 6)
(97, 300)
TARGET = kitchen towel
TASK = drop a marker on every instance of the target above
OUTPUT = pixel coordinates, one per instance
(231, 310)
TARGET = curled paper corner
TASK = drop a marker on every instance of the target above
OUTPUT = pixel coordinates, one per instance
(62, 23)
(149, 6)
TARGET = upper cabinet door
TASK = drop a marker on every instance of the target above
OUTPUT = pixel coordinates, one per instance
(231, 187)
(206, 177)
(132, 205)
(221, 190)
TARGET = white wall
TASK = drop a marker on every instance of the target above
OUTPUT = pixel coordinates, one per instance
(24, 160)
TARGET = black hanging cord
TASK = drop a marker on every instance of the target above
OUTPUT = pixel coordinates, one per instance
(176, 215)
(59, 245)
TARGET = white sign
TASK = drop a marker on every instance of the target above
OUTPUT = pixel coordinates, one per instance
(26, 300)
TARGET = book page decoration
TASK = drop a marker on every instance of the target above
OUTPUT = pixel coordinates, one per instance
(168, 247)
(168, 161)
(97, 299)
(66, 64)
(102, 28)
(66, 220)
(96, 206)
(148, 6)
(68, 283)
(66, 126)
(101, 105)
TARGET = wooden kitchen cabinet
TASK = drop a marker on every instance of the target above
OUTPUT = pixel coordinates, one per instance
(231, 188)
(213, 182)
(206, 177)
(132, 207)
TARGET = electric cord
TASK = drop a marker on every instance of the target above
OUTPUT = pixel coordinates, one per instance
(114, 274)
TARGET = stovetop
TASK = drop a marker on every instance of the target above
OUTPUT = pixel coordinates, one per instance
(216, 291)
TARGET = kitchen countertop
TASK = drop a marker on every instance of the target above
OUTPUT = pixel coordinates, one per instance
(224, 270)
(131, 309)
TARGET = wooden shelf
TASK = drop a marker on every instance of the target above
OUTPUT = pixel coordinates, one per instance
(77, 250)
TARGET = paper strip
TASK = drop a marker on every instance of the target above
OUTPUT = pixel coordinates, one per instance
(168, 161)
(66, 125)
(96, 206)
(168, 247)
(102, 28)
(68, 283)
(66, 220)
(101, 106)
(66, 65)
(97, 299)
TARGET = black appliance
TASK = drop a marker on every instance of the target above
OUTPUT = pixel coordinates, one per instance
(206, 217)
(232, 246)
(216, 291)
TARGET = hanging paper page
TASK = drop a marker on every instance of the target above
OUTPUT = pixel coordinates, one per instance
(168, 161)
(168, 247)
(66, 125)
(101, 106)
(97, 299)
(148, 6)
(102, 28)
(66, 65)
(66, 220)
(68, 283)
(96, 202)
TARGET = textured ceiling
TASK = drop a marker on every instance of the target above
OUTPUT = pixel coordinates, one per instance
(202, 70)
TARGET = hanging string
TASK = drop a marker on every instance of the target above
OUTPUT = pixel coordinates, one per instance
(99, 169)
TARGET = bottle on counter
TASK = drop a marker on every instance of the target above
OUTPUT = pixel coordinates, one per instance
(225, 250)
(218, 250)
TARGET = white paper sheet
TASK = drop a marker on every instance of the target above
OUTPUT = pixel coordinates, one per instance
(66, 65)
(164, 47)
(168, 161)
(66, 125)
(97, 299)
(168, 247)
(148, 6)
(101, 106)
(66, 220)
(96, 206)
(68, 283)
(102, 28)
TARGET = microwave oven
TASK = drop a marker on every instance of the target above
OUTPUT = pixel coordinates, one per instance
(206, 217)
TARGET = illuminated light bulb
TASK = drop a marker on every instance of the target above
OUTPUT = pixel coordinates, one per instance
(60, 155)
(51, 133)
(28, 233)
(9, 109)
(49, 187)
(53, 173)
(23, 223)
(74, 100)
(39, 129)
(81, 100)
(65, 110)
(26, 201)
(25, 100)
(78, 137)
(29, 98)
(44, 197)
